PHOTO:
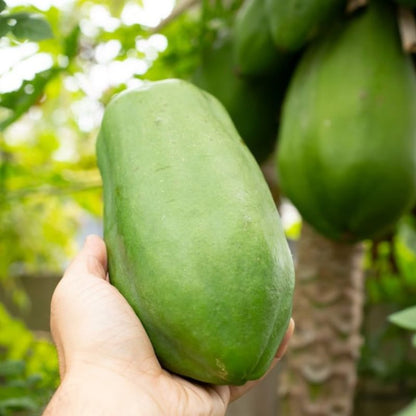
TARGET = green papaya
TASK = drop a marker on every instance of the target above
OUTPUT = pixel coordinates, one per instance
(254, 51)
(295, 22)
(347, 156)
(252, 104)
(194, 239)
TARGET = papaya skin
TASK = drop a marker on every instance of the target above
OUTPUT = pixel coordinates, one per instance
(347, 156)
(253, 104)
(293, 23)
(194, 239)
(255, 53)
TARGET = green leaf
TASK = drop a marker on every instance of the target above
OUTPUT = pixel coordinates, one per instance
(405, 319)
(31, 27)
(11, 368)
(28, 94)
(405, 250)
(414, 340)
(18, 403)
(71, 42)
(13, 18)
(116, 6)
(409, 410)
(2, 5)
(4, 26)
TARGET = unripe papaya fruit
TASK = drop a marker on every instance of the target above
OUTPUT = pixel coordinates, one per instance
(253, 105)
(255, 53)
(194, 239)
(294, 22)
(347, 156)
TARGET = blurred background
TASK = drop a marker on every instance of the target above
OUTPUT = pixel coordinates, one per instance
(60, 63)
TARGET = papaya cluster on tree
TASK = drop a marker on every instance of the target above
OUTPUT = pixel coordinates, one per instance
(347, 144)
(325, 86)
(242, 67)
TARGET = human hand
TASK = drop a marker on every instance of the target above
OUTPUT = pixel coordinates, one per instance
(107, 363)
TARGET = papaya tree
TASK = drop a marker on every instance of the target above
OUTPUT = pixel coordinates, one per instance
(229, 48)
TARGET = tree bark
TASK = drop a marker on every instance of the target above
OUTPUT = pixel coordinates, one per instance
(319, 377)
(407, 26)
(181, 7)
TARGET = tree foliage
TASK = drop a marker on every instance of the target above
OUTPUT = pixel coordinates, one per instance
(28, 368)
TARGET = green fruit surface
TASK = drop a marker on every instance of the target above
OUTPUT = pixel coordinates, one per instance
(255, 53)
(253, 105)
(347, 156)
(294, 22)
(194, 239)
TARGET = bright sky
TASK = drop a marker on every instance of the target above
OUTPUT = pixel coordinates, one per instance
(22, 62)
(153, 10)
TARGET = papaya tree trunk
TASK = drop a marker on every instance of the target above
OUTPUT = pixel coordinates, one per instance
(319, 377)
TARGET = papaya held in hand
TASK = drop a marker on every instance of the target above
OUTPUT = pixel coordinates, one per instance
(194, 239)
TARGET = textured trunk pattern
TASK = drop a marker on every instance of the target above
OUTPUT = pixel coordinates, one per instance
(320, 374)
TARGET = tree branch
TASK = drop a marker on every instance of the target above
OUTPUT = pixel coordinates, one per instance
(179, 10)
(353, 5)
(407, 26)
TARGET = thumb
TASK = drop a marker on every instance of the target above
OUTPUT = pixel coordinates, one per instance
(92, 322)
(92, 259)
(88, 267)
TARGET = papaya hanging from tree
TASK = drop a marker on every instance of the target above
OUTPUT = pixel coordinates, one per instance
(347, 153)
(255, 53)
(295, 22)
(253, 105)
(194, 239)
